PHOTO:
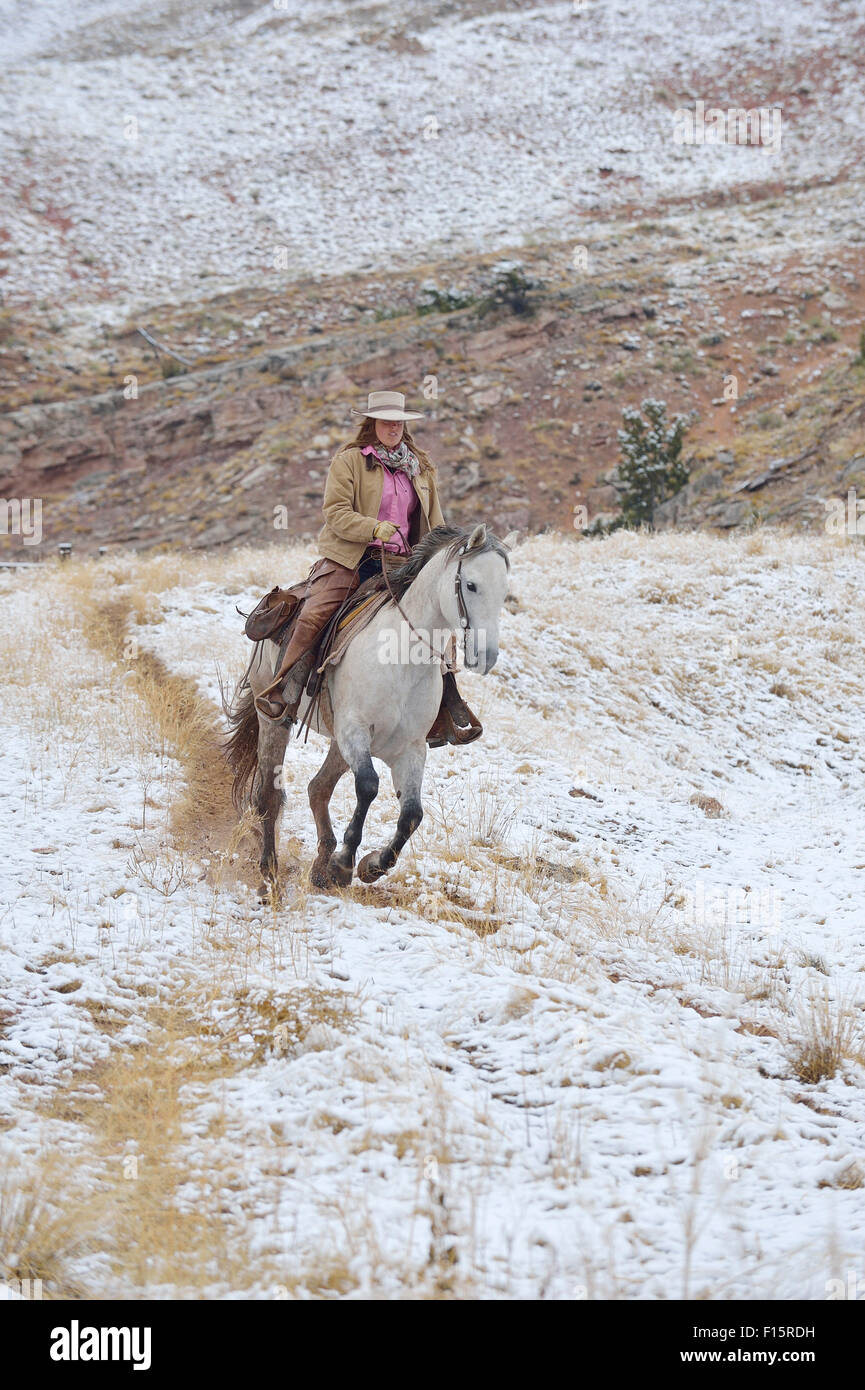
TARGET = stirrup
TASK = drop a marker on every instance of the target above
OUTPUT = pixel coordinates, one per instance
(454, 733)
(283, 716)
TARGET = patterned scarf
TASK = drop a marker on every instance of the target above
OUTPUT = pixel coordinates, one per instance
(400, 457)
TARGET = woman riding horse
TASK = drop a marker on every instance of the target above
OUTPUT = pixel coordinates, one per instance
(380, 498)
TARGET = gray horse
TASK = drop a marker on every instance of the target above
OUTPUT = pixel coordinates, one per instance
(384, 694)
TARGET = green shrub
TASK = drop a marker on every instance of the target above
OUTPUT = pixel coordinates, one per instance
(510, 289)
(651, 467)
(436, 301)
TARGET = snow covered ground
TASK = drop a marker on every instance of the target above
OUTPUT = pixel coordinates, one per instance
(575, 1046)
(164, 150)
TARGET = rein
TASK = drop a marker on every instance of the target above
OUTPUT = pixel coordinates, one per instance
(461, 603)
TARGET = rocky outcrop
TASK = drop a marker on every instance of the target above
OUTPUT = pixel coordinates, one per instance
(683, 508)
(205, 457)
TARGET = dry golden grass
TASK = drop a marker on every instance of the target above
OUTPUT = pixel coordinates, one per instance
(158, 1241)
(165, 1228)
(827, 1033)
(717, 956)
(850, 1179)
(202, 821)
(44, 1227)
(280, 1026)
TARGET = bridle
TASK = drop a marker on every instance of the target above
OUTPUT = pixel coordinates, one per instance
(458, 593)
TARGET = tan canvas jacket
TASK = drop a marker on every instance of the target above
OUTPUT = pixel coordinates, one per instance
(352, 497)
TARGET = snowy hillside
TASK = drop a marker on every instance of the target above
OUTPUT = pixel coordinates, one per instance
(174, 150)
(600, 1034)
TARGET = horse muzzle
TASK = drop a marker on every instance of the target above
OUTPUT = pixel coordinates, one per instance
(482, 660)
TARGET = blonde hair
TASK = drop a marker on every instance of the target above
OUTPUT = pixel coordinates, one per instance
(366, 435)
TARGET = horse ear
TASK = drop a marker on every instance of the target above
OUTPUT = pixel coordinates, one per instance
(477, 537)
(511, 539)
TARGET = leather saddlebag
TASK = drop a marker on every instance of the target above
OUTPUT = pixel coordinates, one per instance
(272, 613)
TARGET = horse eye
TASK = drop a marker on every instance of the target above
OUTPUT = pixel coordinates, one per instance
(470, 584)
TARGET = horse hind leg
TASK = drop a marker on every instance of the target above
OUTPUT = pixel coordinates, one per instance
(320, 791)
(268, 796)
(407, 773)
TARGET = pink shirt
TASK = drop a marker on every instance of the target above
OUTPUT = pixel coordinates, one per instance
(398, 502)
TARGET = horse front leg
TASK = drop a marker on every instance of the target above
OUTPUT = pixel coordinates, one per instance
(341, 862)
(407, 771)
(320, 791)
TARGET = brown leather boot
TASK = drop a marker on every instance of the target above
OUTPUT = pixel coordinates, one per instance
(281, 699)
(455, 722)
(327, 585)
(274, 707)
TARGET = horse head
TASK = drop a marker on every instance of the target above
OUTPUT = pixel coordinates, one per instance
(473, 587)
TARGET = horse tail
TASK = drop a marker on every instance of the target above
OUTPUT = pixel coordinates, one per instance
(241, 745)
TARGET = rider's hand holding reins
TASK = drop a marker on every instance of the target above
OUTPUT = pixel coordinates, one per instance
(384, 530)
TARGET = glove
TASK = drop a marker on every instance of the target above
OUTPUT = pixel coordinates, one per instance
(384, 530)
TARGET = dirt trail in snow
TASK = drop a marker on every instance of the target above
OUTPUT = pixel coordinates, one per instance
(203, 821)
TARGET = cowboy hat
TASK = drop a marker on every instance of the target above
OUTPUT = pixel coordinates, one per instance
(387, 405)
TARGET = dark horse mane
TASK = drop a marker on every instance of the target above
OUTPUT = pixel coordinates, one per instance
(430, 544)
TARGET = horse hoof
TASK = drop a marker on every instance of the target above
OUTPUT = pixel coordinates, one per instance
(269, 888)
(320, 875)
(369, 869)
(340, 871)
